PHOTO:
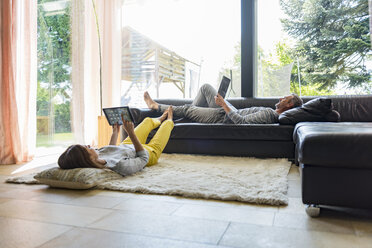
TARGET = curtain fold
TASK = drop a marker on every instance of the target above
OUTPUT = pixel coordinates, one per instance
(85, 64)
(18, 81)
(111, 51)
(26, 90)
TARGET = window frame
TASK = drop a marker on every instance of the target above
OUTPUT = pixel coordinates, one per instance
(248, 47)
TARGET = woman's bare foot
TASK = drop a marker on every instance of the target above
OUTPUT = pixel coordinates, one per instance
(163, 116)
(170, 113)
(150, 103)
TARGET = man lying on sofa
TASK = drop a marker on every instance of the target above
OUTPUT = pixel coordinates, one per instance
(210, 107)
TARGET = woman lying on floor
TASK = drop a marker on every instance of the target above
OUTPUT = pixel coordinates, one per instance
(130, 156)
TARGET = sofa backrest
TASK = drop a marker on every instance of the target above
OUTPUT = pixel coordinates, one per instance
(351, 108)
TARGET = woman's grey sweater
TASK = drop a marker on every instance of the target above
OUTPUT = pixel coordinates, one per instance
(123, 159)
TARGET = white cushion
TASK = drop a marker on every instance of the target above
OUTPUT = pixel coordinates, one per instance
(79, 178)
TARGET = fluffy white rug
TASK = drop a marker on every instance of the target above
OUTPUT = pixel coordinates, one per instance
(262, 181)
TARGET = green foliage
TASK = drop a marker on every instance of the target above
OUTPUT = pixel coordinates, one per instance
(333, 40)
(283, 56)
(54, 47)
(311, 90)
(235, 68)
(62, 118)
(54, 66)
(42, 104)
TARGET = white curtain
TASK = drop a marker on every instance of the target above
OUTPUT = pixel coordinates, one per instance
(26, 88)
(85, 64)
(18, 65)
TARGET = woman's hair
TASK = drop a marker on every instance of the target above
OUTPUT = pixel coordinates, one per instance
(75, 156)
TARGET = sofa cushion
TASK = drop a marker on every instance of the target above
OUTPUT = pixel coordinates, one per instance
(270, 132)
(319, 109)
(355, 108)
(342, 144)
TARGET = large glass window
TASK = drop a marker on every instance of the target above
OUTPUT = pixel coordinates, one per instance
(172, 47)
(313, 47)
(54, 70)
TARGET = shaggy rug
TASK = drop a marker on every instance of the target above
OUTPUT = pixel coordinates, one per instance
(261, 181)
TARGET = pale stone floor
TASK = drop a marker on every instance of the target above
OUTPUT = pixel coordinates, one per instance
(38, 216)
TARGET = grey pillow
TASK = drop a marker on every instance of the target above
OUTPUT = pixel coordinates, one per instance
(319, 109)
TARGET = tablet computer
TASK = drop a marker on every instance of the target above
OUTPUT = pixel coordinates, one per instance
(113, 115)
(225, 82)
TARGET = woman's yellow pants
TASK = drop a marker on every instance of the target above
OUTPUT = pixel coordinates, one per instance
(157, 144)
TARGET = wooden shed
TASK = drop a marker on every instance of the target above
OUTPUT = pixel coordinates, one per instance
(144, 61)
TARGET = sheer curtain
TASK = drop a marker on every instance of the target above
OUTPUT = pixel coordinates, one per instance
(85, 64)
(18, 66)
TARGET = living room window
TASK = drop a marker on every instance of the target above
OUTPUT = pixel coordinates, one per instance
(171, 48)
(53, 73)
(313, 47)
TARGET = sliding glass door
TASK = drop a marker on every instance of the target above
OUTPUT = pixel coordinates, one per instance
(172, 47)
(313, 47)
(54, 71)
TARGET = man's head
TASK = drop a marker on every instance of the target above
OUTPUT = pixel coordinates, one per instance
(288, 102)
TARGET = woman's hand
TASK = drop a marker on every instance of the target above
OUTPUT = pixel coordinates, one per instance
(129, 128)
(115, 134)
(116, 128)
(219, 100)
(127, 125)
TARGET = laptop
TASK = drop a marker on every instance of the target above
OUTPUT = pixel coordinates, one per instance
(225, 83)
(113, 115)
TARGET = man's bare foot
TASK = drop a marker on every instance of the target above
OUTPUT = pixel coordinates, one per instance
(170, 113)
(163, 116)
(150, 103)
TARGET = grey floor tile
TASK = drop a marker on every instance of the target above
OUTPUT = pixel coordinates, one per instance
(23, 233)
(294, 173)
(2, 200)
(17, 193)
(325, 224)
(294, 189)
(246, 236)
(81, 238)
(227, 214)
(96, 201)
(173, 227)
(148, 206)
(55, 195)
(51, 213)
(294, 206)
(362, 227)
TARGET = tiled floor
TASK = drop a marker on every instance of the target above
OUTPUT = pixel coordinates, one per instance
(38, 216)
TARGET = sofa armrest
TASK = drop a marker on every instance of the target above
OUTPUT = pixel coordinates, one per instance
(173, 101)
(141, 113)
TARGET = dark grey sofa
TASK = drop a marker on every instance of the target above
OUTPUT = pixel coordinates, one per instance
(335, 159)
(256, 140)
(265, 141)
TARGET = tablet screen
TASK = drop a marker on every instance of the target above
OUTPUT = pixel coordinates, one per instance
(113, 115)
(225, 82)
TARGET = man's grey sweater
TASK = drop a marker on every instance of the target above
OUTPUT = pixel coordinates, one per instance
(253, 115)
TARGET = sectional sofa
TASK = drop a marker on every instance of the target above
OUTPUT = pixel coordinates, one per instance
(335, 158)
